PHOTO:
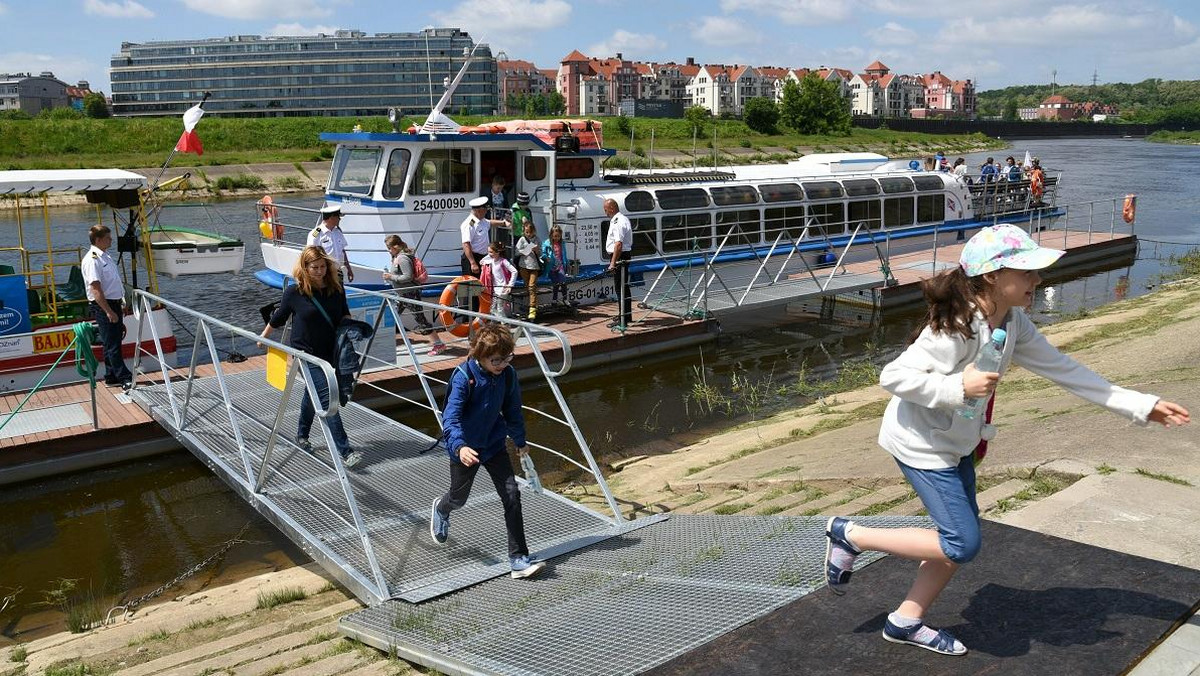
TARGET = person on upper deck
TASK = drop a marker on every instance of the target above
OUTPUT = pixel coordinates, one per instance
(960, 168)
(988, 172)
(1012, 170)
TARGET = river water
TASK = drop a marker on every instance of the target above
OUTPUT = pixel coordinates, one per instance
(125, 530)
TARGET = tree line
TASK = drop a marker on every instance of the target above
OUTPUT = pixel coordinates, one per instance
(1151, 101)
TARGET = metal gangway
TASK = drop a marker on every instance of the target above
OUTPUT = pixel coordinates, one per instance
(794, 267)
(368, 526)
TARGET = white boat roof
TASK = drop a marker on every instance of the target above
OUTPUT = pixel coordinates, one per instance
(37, 181)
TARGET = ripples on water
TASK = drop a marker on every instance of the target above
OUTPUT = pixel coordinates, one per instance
(93, 526)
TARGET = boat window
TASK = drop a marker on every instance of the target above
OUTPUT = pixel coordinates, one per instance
(446, 170)
(644, 237)
(354, 170)
(788, 219)
(896, 184)
(866, 213)
(535, 168)
(639, 200)
(393, 182)
(822, 190)
(742, 227)
(897, 211)
(686, 232)
(928, 182)
(573, 167)
(683, 198)
(828, 219)
(781, 192)
(931, 209)
(733, 195)
(860, 186)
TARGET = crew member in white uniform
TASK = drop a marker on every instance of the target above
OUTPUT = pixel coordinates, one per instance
(476, 233)
(619, 246)
(105, 294)
(329, 237)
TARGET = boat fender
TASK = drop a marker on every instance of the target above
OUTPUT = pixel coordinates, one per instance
(449, 298)
(1129, 212)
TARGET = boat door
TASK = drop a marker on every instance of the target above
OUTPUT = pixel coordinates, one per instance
(538, 179)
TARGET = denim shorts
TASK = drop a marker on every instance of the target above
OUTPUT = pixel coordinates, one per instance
(949, 497)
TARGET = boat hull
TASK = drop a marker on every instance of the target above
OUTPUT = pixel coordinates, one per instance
(191, 252)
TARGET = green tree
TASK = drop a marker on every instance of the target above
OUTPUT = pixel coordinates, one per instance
(697, 116)
(1010, 109)
(761, 115)
(555, 104)
(95, 106)
(815, 106)
(64, 113)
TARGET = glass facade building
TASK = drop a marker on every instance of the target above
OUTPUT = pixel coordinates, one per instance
(348, 73)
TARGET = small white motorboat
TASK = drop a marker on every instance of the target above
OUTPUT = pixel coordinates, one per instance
(184, 251)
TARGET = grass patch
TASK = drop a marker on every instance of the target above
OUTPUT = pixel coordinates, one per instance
(157, 635)
(241, 182)
(1155, 318)
(18, 654)
(73, 669)
(204, 624)
(1043, 485)
(300, 168)
(289, 183)
(854, 495)
(731, 508)
(1162, 477)
(1106, 469)
(881, 507)
(788, 469)
(278, 597)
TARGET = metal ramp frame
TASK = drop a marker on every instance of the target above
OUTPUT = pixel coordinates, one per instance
(621, 606)
(368, 526)
(780, 274)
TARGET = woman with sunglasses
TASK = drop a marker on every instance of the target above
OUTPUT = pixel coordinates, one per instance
(483, 407)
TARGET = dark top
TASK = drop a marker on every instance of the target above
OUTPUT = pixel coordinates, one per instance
(492, 413)
(310, 332)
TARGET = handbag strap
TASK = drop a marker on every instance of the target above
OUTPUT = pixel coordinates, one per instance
(322, 310)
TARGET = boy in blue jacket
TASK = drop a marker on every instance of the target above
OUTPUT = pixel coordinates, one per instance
(483, 407)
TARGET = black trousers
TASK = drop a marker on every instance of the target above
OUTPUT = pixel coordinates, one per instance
(111, 333)
(624, 300)
(499, 467)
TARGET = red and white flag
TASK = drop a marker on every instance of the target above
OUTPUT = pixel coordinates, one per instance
(189, 142)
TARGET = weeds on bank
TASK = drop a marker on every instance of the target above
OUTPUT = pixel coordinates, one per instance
(1106, 469)
(241, 182)
(1162, 477)
(18, 654)
(270, 599)
(157, 635)
(82, 609)
(1043, 485)
(1188, 264)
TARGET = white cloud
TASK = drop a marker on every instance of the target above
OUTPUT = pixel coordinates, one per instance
(1119, 29)
(724, 31)
(67, 69)
(261, 9)
(892, 33)
(491, 20)
(630, 45)
(126, 9)
(796, 12)
(298, 29)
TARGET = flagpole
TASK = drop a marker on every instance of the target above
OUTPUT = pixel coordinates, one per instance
(174, 150)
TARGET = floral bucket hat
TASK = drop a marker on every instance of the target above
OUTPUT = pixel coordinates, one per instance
(1004, 246)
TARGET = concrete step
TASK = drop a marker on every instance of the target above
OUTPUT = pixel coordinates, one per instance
(866, 502)
(383, 667)
(817, 506)
(329, 666)
(278, 662)
(748, 502)
(790, 499)
(989, 498)
(711, 501)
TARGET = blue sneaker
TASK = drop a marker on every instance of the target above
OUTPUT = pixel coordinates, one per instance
(439, 526)
(839, 555)
(935, 640)
(522, 567)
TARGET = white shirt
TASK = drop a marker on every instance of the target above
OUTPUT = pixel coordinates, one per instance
(332, 241)
(619, 230)
(475, 232)
(920, 425)
(98, 266)
(503, 274)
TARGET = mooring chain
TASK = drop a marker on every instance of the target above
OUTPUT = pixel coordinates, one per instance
(128, 608)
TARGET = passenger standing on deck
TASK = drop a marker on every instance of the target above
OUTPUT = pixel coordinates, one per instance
(619, 247)
(554, 254)
(987, 173)
(936, 447)
(1037, 183)
(529, 254)
(476, 231)
(497, 278)
(106, 294)
(960, 168)
(316, 305)
(483, 407)
(329, 236)
(402, 274)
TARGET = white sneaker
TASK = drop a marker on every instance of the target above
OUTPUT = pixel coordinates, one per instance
(352, 459)
(522, 567)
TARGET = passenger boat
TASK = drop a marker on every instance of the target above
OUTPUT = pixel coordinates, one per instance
(41, 289)
(417, 183)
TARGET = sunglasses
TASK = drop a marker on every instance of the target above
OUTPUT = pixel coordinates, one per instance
(500, 361)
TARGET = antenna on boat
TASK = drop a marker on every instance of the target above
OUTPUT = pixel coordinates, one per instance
(437, 122)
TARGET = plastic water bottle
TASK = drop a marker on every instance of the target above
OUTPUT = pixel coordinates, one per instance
(988, 361)
(531, 475)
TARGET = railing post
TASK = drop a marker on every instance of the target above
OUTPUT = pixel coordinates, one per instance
(226, 398)
(274, 433)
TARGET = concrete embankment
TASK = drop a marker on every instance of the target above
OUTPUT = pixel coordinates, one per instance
(1058, 466)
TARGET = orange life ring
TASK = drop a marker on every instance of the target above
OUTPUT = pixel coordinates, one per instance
(1129, 212)
(449, 298)
(268, 227)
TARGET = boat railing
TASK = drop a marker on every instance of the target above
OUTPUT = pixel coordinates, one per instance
(198, 398)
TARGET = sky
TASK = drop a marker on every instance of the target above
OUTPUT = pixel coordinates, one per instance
(997, 44)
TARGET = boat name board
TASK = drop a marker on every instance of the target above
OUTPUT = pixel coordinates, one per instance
(440, 204)
(55, 341)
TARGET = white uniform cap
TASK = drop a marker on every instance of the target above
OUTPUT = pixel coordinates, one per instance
(479, 202)
(331, 209)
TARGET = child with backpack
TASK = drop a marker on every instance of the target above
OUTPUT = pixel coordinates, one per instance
(529, 263)
(483, 407)
(935, 446)
(407, 273)
(496, 274)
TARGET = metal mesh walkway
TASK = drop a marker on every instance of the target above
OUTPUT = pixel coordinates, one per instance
(394, 487)
(620, 606)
